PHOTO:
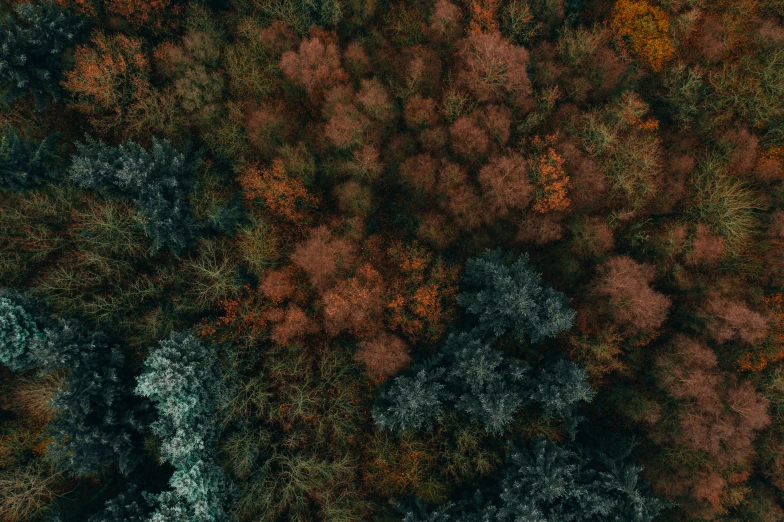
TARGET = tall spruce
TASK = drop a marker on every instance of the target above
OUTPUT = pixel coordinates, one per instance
(25, 163)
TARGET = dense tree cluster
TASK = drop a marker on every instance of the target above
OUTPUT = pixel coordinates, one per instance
(415, 260)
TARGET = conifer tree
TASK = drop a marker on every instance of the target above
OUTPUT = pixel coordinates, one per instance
(512, 297)
(24, 163)
(158, 181)
(20, 330)
(30, 45)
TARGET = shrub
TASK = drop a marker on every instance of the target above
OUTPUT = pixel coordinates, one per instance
(29, 51)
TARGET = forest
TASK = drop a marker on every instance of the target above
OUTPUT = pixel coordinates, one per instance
(391, 260)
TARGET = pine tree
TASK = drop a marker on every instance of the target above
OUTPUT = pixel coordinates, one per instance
(412, 402)
(512, 297)
(20, 330)
(94, 426)
(29, 50)
(546, 482)
(182, 377)
(158, 181)
(24, 163)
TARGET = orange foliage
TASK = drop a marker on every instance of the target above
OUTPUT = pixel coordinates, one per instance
(277, 286)
(292, 324)
(110, 77)
(550, 179)
(645, 29)
(321, 256)
(283, 196)
(383, 356)
(483, 16)
(355, 305)
(420, 298)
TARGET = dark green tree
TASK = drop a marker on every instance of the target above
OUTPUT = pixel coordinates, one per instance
(94, 426)
(20, 330)
(512, 297)
(158, 181)
(547, 482)
(30, 48)
(25, 163)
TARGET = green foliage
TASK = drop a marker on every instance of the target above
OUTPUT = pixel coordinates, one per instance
(20, 330)
(512, 297)
(30, 48)
(25, 163)
(94, 426)
(548, 482)
(157, 181)
(182, 378)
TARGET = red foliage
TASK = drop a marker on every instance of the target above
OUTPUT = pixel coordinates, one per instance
(494, 69)
(383, 356)
(467, 139)
(445, 20)
(346, 125)
(744, 150)
(587, 179)
(458, 196)
(420, 112)
(733, 319)
(277, 286)
(419, 172)
(633, 303)
(375, 101)
(355, 305)
(721, 416)
(268, 126)
(505, 183)
(707, 247)
(321, 256)
(283, 196)
(540, 229)
(497, 121)
(315, 66)
(356, 60)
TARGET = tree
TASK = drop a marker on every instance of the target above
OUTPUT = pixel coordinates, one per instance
(633, 303)
(25, 163)
(30, 48)
(182, 378)
(412, 402)
(645, 29)
(94, 426)
(20, 330)
(512, 297)
(158, 182)
(505, 183)
(548, 482)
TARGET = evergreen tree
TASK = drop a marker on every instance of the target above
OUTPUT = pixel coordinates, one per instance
(94, 426)
(158, 181)
(29, 50)
(132, 505)
(412, 402)
(547, 483)
(513, 297)
(20, 330)
(24, 163)
(182, 377)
